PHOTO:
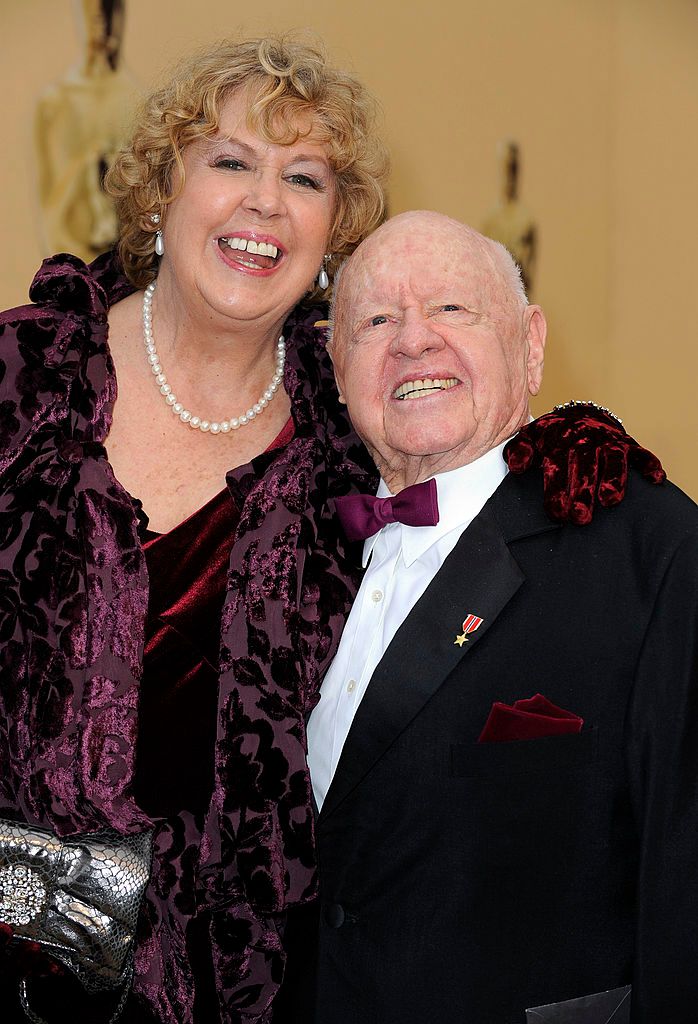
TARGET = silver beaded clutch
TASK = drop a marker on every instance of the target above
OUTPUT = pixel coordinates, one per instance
(77, 896)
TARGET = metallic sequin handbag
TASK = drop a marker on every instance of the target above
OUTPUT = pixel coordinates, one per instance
(79, 898)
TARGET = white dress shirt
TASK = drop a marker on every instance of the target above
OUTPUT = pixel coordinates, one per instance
(403, 562)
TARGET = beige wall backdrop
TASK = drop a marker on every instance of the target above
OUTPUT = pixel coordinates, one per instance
(602, 95)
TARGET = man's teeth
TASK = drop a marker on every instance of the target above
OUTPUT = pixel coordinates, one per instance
(247, 244)
(417, 388)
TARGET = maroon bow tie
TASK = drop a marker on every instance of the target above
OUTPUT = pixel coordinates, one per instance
(362, 515)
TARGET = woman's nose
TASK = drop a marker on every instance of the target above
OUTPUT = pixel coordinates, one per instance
(265, 196)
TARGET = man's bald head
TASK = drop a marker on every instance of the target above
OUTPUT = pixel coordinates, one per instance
(505, 272)
(435, 347)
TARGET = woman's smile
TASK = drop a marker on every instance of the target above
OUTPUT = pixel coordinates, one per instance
(252, 252)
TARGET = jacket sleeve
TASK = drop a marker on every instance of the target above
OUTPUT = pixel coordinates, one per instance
(662, 761)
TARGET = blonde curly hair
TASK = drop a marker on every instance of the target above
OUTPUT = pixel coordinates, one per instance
(287, 80)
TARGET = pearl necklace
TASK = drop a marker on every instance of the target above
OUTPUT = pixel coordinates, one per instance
(196, 422)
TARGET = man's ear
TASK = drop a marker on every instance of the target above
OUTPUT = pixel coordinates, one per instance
(535, 334)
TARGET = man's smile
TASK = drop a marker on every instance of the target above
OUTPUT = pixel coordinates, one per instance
(420, 387)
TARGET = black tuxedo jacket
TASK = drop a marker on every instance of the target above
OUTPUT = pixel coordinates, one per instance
(465, 881)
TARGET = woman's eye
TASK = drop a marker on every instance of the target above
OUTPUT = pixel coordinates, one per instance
(230, 163)
(305, 181)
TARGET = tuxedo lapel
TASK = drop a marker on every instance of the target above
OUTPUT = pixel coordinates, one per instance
(479, 577)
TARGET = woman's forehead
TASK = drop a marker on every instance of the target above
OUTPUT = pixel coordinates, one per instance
(285, 120)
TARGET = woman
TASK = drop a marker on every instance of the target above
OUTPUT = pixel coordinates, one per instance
(174, 584)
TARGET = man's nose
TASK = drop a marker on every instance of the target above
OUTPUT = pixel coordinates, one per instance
(415, 338)
(265, 196)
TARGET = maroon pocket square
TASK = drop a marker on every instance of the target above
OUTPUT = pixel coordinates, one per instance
(529, 719)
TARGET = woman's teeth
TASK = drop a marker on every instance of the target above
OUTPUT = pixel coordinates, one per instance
(419, 388)
(248, 245)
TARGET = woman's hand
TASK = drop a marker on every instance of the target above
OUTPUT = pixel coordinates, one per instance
(585, 454)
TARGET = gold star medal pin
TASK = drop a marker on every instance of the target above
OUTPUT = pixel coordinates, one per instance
(470, 624)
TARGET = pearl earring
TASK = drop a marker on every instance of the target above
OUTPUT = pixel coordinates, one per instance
(322, 278)
(159, 242)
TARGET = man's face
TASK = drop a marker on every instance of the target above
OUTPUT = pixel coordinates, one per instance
(434, 353)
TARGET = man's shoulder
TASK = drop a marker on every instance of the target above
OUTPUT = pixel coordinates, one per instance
(634, 543)
(661, 509)
(665, 499)
(649, 507)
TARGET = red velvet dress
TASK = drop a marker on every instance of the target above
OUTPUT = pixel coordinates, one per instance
(187, 570)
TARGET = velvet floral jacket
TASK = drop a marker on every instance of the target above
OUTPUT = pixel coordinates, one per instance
(73, 601)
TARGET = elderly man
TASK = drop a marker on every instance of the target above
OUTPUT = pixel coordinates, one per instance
(504, 756)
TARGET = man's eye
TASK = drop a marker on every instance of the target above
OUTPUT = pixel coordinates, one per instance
(376, 321)
(450, 308)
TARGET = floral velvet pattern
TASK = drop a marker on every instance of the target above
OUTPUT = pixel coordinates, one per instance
(73, 600)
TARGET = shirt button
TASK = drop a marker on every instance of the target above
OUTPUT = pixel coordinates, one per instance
(376, 596)
(351, 686)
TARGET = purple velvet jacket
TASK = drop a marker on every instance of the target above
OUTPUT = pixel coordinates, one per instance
(73, 600)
